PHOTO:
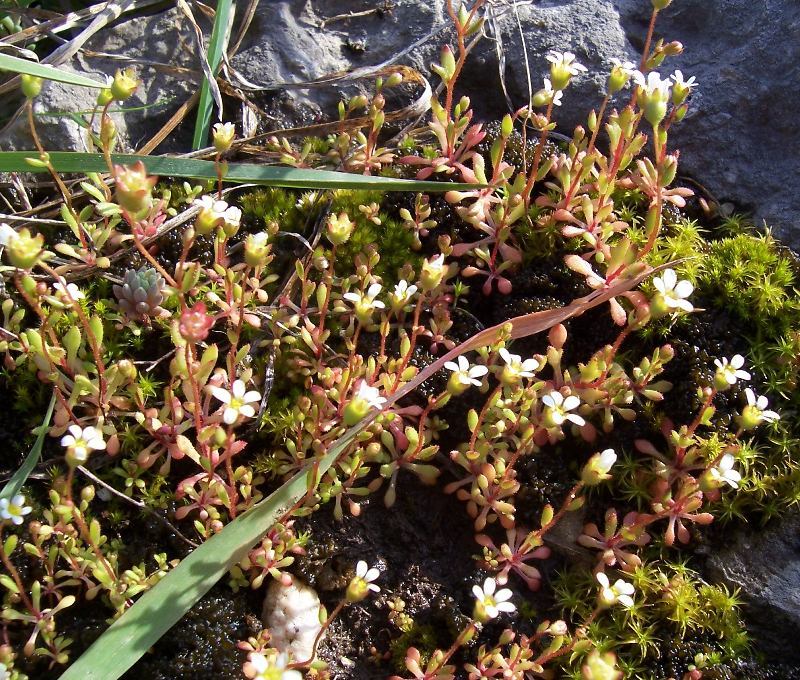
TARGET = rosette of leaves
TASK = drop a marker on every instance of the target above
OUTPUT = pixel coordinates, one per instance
(141, 293)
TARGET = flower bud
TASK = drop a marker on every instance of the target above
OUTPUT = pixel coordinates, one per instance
(658, 5)
(31, 85)
(195, 323)
(105, 97)
(340, 228)
(127, 369)
(108, 132)
(600, 667)
(124, 84)
(222, 135)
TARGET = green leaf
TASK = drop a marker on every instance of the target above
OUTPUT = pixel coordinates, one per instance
(219, 38)
(17, 65)
(153, 614)
(250, 173)
(14, 484)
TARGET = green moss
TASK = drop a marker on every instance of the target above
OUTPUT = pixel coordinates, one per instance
(751, 277)
(674, 608)
(273, 204)
(393, 239)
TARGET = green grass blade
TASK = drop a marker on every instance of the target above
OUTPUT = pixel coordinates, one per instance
(17, 65)
(250, 173)
(219, 38)
(155, 612)
(14, 484)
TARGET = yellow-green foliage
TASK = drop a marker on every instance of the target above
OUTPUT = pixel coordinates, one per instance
(390, 237)
(752, 277)
(671, 602)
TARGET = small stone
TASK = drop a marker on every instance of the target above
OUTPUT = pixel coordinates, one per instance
(292, 615)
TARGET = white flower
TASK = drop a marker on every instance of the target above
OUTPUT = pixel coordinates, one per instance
(368, 575)
(566, 61)
(364, 301)
(554, 96)
(82, 441)
(68, 289)
(674, 292)
(558, 407)
(403, 292)
(626, 67)
(7, 234)
(371, 395)
(620, 592)
(757, 407)
(517, 368)
(14, 509)
(258, 667)
(728, 372)
(213, 211)
(725, 473)
(237, 401)
(652, 84)
(464, 373)
(362, 583)
(677, 77)
(488, 603)
(621, 72)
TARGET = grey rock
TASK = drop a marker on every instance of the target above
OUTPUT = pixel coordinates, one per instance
(305, 42)
(157, 46)
(765, 565)
(741, 137)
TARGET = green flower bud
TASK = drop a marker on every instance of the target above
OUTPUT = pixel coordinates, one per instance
(108, 132)
(31, 85)
(658, 5)
(133, 187)
(105, 97)
(601, 667)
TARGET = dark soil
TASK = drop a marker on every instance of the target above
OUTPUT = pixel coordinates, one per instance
(424, 548)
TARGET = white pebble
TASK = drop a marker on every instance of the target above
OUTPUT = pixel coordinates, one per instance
(292, 615)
